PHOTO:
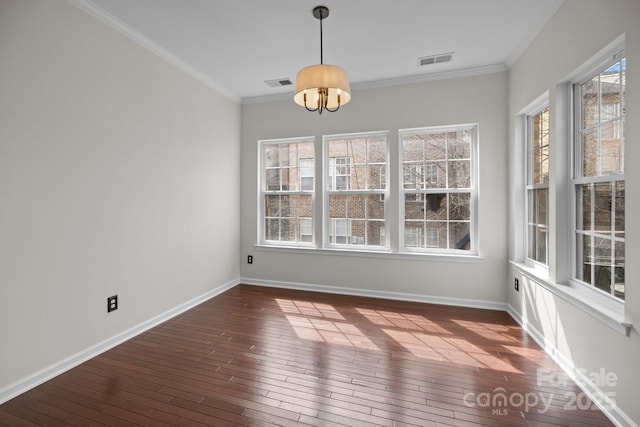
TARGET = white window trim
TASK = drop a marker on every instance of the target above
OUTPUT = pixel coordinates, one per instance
(261, 194)
(326, 192)
(601, 298)
(473, 218)
(317, 246)
(524, 116)
(557, 278)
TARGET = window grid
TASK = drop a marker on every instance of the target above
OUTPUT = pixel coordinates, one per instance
(599, 181)
(355, 190)
(438, 188)
(286, 191)
(537, 186)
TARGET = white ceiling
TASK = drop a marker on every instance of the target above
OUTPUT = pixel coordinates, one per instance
(235, 45)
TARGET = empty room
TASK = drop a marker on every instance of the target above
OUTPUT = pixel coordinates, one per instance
(294, 212)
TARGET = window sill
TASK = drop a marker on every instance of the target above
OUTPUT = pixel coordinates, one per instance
(611, 316)
(432, 257)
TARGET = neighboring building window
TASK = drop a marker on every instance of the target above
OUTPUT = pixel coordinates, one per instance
(286, 186)
(339, 173)
(340, 231)
(599, 181)
(306, 230)
(538, 186)
(355, 189)
(439, 188)
(306, 174)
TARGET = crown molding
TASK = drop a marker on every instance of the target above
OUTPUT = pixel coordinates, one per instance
(376, 84)
(142, 40)
(550, 10)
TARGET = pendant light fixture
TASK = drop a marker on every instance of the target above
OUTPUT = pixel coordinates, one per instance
(322, 87)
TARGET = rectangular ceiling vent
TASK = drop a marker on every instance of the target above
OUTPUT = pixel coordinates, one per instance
(278, 82)
(435, 59)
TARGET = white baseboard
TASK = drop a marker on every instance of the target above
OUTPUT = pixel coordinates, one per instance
(429, 299)
(25, 384)
(608, 407)
(614, 413)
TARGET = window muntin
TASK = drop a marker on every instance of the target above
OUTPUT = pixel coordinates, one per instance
(438, 188)
(354, 190)
(286, 189)
(537, 186)
(599, 182)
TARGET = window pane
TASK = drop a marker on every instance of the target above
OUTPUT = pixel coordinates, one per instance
(432, 235)
(585, 214)
(306, 174)
(459, 235)
(436, 146)
(413, 232)
(376, 176)
(414, 206)
(459, 174)
(584, 258)
(540, 206)
(589, 94)
(590, 153)
(364, 213)
(272, 180)
(377, 150)
(375, 233)
(619, 270)
(602, 208)
(539, 148)
(602, 264)
(459, 145)
(619, 206)
(434, 175)
(283, 215)
(460, 206)
(357, 163)
(271, 156)
(541, 241)
(436, 206)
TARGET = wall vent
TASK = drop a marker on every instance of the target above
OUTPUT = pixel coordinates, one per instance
(435, 59)
(278, 82)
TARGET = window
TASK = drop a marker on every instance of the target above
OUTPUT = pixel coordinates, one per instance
(339, 173)
(286, 188)
(438, 185)
(598, 178)
(355, 189)
(537, 186)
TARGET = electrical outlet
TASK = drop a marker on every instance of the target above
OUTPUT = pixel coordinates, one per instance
(112, 303)
(249, 259)
(516, 284)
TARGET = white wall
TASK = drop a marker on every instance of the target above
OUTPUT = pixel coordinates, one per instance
(478, 99)
(118, 175)
(576, 33)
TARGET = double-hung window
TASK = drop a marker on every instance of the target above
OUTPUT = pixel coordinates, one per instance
(537, 186)
(438, 188)
(355, 185)
(286, 191)
(598, 179)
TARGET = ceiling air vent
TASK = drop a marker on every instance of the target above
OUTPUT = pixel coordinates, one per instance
(278, 82)
(435, 59)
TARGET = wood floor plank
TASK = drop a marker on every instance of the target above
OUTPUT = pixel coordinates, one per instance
(256, 356)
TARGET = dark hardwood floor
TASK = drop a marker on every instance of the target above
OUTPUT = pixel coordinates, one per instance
(263, 356)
